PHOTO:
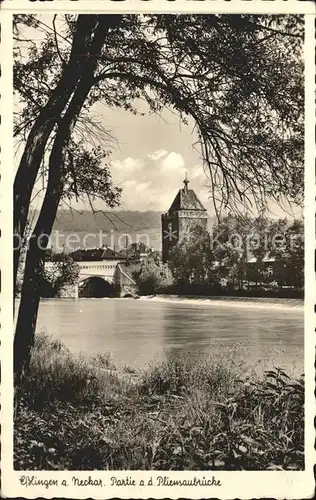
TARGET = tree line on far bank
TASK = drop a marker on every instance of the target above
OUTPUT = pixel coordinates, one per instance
(242, 255)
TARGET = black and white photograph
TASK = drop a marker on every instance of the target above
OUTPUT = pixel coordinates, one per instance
(159, 250)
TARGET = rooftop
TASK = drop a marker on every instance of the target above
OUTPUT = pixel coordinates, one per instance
(104, 253)
(186, 199)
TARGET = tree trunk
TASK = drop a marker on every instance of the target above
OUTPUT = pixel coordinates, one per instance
(35, 260)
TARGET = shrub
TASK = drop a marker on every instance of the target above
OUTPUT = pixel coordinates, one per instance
(152, 277)
(187, 373)
(181, 414)
(55, 374)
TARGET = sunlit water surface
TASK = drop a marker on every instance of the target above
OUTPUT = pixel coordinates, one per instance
(269, 332)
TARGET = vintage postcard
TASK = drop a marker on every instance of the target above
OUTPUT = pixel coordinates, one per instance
(158, 240)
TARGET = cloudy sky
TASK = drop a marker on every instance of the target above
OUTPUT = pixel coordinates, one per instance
(152, 158)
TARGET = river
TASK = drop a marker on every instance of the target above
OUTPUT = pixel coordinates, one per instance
(265, 332)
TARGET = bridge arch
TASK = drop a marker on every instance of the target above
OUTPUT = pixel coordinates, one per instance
(95, 286)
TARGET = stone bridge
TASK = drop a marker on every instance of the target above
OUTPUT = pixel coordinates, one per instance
(100, 269)
(116, 281)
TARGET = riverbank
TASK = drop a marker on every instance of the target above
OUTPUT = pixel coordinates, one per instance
(75, 412)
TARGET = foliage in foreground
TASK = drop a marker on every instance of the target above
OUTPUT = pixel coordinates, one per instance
(78, 413)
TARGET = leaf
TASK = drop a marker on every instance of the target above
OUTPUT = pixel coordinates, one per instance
(272, 466)
(271, 374)
(177, 450)
(243, 449)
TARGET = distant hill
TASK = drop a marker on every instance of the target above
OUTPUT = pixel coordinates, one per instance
(116, 229)
(121, 221)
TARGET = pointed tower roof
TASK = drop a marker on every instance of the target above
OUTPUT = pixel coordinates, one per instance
(186, 199)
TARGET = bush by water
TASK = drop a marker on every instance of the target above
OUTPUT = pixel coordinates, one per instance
(74, 412)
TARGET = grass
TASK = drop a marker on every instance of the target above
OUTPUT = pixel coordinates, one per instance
(82, 413)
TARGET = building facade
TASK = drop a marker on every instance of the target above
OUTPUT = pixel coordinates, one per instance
(185, 212)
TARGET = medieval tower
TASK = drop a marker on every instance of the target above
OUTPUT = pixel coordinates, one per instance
(185, 213)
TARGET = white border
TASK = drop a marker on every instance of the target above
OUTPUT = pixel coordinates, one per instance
(291, 485)
(166, 6)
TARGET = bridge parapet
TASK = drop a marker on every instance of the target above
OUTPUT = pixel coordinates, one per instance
(97, 265)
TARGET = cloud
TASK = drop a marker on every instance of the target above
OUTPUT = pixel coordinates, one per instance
(158, 154)
(152, 182)
(174, 162)
(128, 164)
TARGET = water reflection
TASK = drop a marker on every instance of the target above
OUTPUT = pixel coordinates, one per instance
(137, 332)
(185, 329)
